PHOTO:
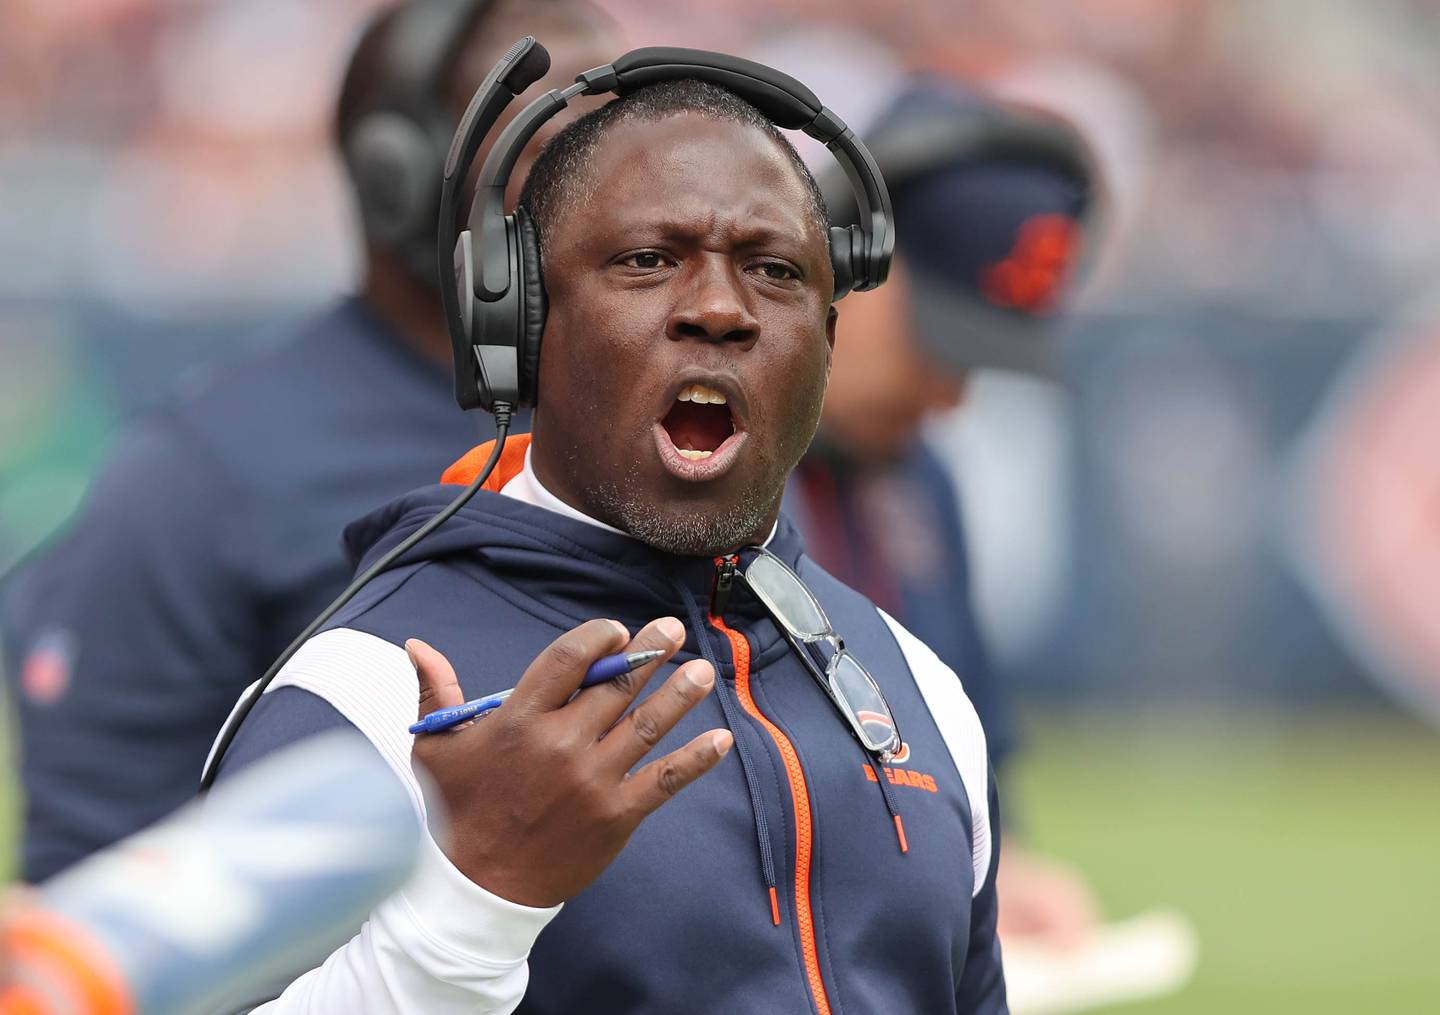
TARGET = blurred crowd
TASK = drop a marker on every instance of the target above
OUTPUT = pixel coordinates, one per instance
(168, 183)
(1274, 152)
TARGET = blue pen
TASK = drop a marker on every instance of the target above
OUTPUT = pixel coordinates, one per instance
(599, 672)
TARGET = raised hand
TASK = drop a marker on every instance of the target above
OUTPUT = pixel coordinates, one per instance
(540, 792)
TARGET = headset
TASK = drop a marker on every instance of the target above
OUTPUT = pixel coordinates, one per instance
(395, 151)
(496, 308)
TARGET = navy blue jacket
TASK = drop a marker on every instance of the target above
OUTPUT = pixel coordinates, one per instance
(206, 543)
(682, 921)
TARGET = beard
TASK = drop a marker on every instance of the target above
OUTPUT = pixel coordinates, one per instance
(625, 500)
(674, 529)
(685, 530)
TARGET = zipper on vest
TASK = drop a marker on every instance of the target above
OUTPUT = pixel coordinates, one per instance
(795, 775)
(724, 584)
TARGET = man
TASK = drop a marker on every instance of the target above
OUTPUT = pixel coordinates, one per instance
(686, 351)
(209, 539)
(992, 205)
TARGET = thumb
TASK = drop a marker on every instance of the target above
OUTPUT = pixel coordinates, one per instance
(438, 686)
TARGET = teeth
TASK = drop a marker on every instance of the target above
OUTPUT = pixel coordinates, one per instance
(700, 393)
(694, 456)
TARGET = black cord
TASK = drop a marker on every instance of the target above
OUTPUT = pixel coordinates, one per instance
(237, 718)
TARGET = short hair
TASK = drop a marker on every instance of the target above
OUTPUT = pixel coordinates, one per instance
(560, 179)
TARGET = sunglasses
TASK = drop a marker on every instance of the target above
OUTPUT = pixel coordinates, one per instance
(845, 680)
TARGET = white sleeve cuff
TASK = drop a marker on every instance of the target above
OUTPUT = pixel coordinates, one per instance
(460, 915)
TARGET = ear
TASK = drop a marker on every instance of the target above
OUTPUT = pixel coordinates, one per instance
(830, 320)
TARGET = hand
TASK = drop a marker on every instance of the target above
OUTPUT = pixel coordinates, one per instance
(540, 794)
(1042, 899)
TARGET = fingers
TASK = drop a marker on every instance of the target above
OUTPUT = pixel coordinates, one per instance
(597, 708)
(660, 780)
(556, 673)
(638, 733)
(438, 686)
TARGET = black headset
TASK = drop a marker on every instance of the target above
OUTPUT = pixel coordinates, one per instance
(395, 152)
(496, 309)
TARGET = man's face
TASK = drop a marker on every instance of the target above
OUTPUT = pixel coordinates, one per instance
(883, 385)
(693, 261)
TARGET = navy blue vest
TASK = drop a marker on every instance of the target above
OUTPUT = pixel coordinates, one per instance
(684, 920)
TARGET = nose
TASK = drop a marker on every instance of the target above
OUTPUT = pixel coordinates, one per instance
(712, 306)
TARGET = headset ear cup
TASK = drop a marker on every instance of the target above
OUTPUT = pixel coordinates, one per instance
(390, 159)
(842, 258)
(532, 317)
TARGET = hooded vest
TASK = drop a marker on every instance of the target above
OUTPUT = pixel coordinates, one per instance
(799, 875)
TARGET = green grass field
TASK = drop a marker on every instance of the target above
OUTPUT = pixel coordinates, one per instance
(1305, 849)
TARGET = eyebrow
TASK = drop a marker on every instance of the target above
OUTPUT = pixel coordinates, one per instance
(746, 234)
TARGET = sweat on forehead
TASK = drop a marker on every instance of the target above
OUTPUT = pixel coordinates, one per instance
(560, 178)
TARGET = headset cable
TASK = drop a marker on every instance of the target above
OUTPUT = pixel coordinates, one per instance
(237, 717)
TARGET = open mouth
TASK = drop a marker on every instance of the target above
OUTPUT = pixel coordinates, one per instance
(699, 434)
(699, 422)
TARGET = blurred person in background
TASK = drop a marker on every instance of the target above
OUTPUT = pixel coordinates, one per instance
(211, 536)
(991, 205)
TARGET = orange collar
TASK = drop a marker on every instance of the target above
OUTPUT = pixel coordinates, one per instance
(512, 461)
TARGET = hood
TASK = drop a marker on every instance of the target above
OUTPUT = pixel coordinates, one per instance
(577, 569)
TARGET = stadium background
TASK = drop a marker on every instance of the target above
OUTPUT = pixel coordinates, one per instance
(1202, 733)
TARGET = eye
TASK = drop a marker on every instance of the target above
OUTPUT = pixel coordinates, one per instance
(644, 260)
(777, 271)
